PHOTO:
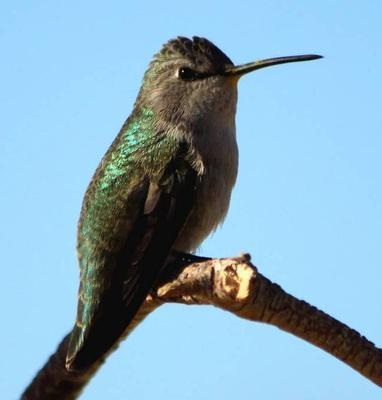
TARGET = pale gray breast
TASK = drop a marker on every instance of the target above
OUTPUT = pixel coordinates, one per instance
(219, 154)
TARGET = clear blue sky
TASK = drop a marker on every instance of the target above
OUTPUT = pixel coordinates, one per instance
(307, 204)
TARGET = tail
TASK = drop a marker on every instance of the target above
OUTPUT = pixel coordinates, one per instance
(54, 382)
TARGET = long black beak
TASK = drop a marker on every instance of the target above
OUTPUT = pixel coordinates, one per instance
(239, 70)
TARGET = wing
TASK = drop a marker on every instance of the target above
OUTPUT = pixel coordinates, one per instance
(163, 205)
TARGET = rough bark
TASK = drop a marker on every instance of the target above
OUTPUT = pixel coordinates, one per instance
(234, 285)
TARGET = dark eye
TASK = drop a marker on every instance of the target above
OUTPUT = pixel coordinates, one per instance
(187, 74)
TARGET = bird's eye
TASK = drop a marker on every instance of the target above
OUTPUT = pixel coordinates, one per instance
(187, 74)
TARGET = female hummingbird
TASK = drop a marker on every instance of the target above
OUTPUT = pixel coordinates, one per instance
(164, 184)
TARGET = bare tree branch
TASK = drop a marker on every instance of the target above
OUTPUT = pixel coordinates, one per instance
(236, 286)
(232, 284)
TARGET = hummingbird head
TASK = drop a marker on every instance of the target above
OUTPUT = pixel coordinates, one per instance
(184, 83)
(190, 82)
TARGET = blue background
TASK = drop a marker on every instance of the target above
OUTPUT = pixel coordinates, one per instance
(307, 204)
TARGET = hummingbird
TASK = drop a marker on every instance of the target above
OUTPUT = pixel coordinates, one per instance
(163, 186)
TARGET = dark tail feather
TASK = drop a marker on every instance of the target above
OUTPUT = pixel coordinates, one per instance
(54, 381)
